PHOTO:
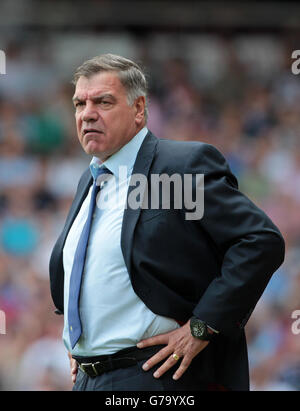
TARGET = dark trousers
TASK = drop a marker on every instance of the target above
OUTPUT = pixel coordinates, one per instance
(134, 378)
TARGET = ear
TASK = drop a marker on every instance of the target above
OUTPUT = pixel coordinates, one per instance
(139, 105)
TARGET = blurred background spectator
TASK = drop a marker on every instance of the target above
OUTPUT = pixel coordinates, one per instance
(222, 76)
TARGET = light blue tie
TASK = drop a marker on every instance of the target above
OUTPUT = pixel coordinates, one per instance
(74, 322)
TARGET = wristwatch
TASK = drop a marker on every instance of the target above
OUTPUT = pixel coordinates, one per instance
(199, 330)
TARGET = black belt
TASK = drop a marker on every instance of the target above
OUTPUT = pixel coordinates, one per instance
(94, 366)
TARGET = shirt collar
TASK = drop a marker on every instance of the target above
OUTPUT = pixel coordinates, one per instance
(125, 157)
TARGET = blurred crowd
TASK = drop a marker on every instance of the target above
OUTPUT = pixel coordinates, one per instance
(236, 93)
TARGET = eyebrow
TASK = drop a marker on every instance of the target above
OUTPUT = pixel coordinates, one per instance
(96, 98)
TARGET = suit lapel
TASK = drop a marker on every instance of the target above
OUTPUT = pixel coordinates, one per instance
(56, 260)
(130, 218)
(79, 198)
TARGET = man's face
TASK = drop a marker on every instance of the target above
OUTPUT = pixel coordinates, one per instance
(104, 120)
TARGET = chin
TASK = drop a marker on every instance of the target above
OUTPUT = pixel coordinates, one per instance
(97, 153)
(92, 149)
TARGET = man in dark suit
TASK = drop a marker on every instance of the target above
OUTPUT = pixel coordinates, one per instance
(155, 298)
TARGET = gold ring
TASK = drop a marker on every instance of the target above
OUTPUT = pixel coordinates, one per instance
(175, 356)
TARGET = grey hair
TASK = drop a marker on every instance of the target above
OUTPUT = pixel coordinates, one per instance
(130, 74)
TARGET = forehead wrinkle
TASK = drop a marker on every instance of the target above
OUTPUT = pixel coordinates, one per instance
(109, 84)
(97, 96)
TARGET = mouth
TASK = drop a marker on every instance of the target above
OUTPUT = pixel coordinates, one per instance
(90, 135)
(91, 131)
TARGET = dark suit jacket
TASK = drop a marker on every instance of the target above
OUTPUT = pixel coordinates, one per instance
(215, 268)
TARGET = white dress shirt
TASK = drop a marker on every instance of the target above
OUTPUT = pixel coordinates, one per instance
(113, 317)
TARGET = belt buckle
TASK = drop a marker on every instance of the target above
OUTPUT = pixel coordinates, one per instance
(84, 367)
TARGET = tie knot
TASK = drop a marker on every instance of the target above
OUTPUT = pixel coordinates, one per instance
(102, 170)
(101, 174)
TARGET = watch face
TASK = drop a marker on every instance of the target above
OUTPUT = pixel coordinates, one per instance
(198, 328)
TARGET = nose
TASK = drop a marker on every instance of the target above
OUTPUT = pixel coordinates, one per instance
(89, 113)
